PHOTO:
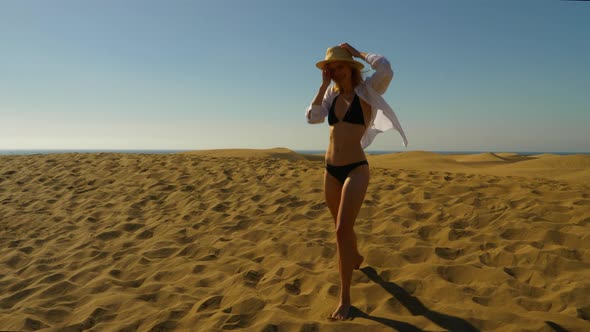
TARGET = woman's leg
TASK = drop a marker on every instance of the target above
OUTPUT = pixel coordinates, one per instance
(333, 194)
(353, 195)
(333, 191)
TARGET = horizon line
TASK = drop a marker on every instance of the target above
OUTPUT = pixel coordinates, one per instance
(295, 150)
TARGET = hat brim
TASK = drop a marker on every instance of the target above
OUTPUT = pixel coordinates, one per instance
(322, 63)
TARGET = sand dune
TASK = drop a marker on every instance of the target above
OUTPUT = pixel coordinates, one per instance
(243, 240)
(507, 154)
(573, 169)
(280, 153)
(480, 157)
(577, 161)
(421, 160)
(489, 157)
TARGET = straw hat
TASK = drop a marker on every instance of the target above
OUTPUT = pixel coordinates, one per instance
(338, 53)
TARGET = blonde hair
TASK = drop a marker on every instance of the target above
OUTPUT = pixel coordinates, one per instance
(355, 77)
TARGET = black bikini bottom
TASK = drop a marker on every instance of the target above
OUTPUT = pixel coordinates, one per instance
(341, 172)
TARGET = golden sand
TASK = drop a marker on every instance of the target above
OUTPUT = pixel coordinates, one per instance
(243, 239)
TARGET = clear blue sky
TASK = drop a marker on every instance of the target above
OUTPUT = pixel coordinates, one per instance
(469, 75)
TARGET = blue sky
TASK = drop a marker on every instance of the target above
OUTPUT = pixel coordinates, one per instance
(469, 75)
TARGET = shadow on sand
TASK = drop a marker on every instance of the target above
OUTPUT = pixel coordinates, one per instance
(414, 305)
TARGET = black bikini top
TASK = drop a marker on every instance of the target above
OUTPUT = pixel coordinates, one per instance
(354, 114)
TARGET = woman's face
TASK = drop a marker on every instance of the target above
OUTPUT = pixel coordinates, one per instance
(340, 71)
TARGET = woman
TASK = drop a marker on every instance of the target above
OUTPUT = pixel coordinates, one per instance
(356, 114)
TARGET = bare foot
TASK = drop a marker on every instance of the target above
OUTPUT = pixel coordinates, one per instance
(359, 261)
(341, 312)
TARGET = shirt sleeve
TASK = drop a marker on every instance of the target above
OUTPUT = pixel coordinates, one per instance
(383, 74)
(317, 113)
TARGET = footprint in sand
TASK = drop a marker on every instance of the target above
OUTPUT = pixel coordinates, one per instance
(220, 207)
(488, 245)
(149, 297)
(427, 231)
(448, 253)
(481, 300)
(105, 236)
(251, 278)
(26, 250)
(34, 325)
(412, 286)
(294, 288)
(270, 328)
(532, 305)
(583, 313)
(91, 219)
(455, 234)
(147, 234)
(416, 254)
(459, 224)
(457, 274)
(115, 273)
(211, 303)
(130, 227)
(199, 268)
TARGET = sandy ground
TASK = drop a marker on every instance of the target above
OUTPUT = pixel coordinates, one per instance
(242, 239)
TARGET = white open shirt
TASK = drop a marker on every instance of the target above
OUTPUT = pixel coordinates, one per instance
(370, 90)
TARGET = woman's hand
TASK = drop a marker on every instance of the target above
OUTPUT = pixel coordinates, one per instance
(351, 49)
(326, 77)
